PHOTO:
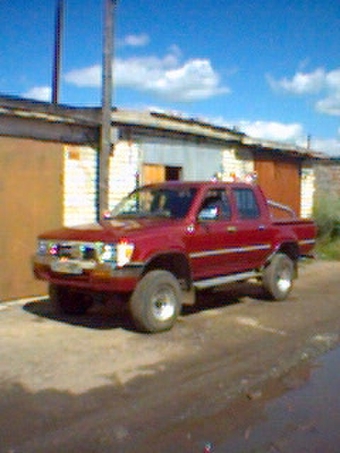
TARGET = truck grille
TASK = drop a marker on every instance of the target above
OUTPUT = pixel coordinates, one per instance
(77, 251)
(88, 253)
(73, 250)
(76, 258)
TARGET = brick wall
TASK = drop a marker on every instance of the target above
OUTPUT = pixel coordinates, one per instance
(234, 164)
(327, 179)
(79, 185)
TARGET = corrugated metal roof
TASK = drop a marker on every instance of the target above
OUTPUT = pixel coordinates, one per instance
(162, 121)
(24, 108)
(281, 147)
(174, 124)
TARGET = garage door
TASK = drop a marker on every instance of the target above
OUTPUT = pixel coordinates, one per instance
(31, 202)
(280, 181)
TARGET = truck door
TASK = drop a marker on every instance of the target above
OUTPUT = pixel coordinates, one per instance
(252, 230)
(213, 246)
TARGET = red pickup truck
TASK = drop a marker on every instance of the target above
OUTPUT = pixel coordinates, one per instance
(164, 242)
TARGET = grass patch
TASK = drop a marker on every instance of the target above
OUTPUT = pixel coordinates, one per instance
(328, 249)
(326, 214)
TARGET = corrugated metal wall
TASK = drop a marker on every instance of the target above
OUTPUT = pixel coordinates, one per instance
(198, 160)
(30, 200)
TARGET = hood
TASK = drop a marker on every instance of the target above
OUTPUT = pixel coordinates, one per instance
(111, 230)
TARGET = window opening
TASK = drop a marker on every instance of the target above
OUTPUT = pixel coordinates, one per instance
(215, 206)
(246, 203)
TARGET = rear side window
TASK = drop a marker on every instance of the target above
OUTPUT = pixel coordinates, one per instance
(246, 203)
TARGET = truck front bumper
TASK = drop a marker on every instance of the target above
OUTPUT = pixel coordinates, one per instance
(86, 275)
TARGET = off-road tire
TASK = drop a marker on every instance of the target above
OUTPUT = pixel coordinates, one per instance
(67, 302)
(278, 277)
(156, 302)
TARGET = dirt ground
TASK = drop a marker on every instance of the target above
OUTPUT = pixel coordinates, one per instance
(93, 384)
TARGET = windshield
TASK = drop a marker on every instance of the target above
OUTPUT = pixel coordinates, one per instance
(156, 202)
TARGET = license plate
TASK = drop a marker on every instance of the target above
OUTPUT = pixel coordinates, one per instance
(66, 267)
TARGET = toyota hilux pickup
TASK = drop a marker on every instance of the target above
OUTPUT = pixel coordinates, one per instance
(165, 242)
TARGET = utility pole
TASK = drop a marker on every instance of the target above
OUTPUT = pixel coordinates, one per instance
(59, 25)
(105, 136)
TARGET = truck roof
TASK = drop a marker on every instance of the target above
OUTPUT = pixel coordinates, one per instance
(199, 184)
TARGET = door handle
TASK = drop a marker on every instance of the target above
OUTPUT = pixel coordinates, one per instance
(231, 229)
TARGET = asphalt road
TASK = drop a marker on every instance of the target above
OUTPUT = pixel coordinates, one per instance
(93, 384)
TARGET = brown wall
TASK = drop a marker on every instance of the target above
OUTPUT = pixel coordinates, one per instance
(31, 202)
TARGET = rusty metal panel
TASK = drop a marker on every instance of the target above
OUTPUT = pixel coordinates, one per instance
(280, 181)
(31, 202)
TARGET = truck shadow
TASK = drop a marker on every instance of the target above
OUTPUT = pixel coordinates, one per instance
(99, 317)
(105, 317)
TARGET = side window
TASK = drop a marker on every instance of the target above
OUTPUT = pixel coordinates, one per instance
(215, 206)
(246, 203)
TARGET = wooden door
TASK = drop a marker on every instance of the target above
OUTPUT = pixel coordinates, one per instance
(280, 181)
(153, 173)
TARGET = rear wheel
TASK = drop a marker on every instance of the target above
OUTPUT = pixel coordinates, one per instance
(67, 302)
(156, 302)
(278, 277)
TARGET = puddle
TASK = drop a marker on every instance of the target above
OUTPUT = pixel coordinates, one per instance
(297, 413)
(305, 418)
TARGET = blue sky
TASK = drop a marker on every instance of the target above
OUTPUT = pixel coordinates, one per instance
(271, 68)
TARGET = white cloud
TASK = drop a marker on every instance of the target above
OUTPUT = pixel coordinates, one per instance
(301, 82)
(319, 82)
(135, 40)
(330, 104)
(293, 133)
(42, 93)
(271, 130)
(333, 79)
(329, 146)
(165, 77)
(86, 77)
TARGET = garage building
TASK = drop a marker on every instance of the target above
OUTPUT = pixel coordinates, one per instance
(49, 170)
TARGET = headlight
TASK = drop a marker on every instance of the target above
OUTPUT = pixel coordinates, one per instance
(118, 254)
(124, 253)
(45, 247)
(42, 248)
(108, 253)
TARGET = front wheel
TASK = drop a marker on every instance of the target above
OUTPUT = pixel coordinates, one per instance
(67, 302)
(278, 277)
(156, 302)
